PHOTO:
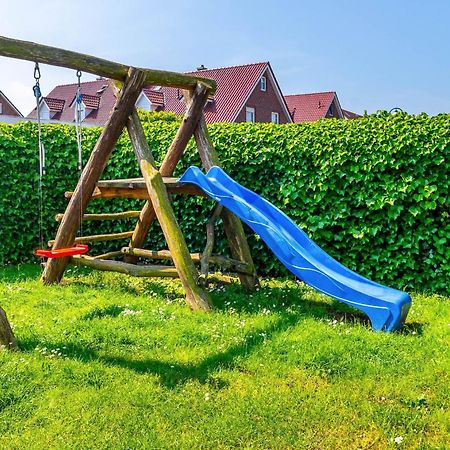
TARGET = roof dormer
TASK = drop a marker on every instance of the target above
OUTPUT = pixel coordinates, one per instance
(150, 99)
(89, 103)
(50, 107)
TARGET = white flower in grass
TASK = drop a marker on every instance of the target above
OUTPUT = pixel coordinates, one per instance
(206, 396)
(398, 439)
(130, 312)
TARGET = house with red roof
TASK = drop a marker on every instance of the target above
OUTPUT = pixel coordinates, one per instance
(315, 106)
(246, 93)
(8, 112)
(59, 105)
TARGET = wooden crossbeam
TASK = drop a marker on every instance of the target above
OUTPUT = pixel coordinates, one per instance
(14, 48)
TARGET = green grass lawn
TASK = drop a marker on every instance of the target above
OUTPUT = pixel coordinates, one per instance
(114, 362)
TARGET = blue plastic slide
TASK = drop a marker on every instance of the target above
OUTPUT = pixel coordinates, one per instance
(386, 307)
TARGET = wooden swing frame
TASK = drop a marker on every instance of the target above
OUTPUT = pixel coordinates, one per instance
(155, 187)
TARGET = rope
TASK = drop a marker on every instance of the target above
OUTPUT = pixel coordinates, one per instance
(78, 120)
(42, 171)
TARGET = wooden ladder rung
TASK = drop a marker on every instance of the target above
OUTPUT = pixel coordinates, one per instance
(99, 238)
(105, 216)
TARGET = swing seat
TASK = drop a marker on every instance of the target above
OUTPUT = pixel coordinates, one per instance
(78, 249)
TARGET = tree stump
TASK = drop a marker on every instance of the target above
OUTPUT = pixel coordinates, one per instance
(7, 339)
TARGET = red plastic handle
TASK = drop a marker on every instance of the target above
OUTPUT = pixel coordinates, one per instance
(79, 249)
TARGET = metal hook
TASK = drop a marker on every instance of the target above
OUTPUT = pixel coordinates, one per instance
(37, 72)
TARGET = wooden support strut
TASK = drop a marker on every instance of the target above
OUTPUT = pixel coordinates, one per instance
(218, 260)
(207, 252)
(233, 226)
(68, 227)
(121, 267)
(191, 117)
(139, 271)
(196, 297)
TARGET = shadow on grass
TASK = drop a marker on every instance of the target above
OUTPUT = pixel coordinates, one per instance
(291, 304)
(413, 328)
(299, 297)
(121, 284)
(172, 374)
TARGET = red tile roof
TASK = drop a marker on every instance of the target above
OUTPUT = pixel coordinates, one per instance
(309, 107)
(54, 104)
(156, 97)
(91, 101)
(4, 98)
(100, 98)
(234, 85)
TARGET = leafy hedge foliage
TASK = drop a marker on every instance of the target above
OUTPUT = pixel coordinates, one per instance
(373, 192)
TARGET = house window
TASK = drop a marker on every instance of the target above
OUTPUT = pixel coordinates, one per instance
(331, 111)
(249, 114)
(1, 108)
(275, 117)
(263, 84)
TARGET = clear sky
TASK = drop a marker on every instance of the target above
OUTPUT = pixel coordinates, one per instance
(376, 54)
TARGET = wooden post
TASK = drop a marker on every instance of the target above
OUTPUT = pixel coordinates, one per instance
(7, 339)
(196, 297)
(68, 227)
(176, 149)
(233, 226)
(206, 257)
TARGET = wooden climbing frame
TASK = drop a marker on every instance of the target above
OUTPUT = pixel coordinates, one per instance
(155, 187)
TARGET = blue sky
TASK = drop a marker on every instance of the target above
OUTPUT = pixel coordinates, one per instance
(376, 54)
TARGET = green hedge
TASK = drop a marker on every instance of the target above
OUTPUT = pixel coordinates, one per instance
(374, 192)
